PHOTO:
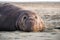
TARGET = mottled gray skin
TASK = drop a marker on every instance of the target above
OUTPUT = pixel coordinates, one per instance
(13, 18)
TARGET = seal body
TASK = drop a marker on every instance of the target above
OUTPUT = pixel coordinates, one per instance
(14, 18)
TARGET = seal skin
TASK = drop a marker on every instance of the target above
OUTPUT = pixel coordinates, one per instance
(14, 18)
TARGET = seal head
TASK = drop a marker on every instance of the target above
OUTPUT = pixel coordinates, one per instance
(30, 21)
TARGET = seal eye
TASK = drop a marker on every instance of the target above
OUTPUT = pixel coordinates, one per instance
(36, 17)
(24, 17)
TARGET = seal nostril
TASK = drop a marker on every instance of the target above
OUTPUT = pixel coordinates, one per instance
(30, 22)
(36, 17)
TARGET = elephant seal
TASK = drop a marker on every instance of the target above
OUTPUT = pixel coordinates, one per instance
(14, 18)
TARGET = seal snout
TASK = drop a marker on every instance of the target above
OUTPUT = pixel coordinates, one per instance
(30, 23)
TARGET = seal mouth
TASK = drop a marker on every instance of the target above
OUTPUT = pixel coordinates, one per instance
(30, 24)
